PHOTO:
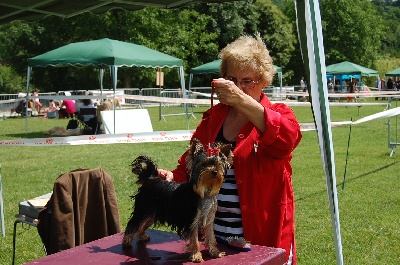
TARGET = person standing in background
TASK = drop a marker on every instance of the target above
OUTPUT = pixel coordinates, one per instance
(389, 84)
(302, 83)
(36, 101)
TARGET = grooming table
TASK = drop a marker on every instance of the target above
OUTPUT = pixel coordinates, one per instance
(163, 248)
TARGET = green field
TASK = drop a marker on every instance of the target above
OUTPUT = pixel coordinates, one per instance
(369, 204)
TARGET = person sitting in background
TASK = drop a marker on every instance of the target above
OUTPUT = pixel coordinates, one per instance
(89, 117)
(69, 110)
(51, 110)
(78, 103)
(95, 101)
(87, 104)
(52, 106)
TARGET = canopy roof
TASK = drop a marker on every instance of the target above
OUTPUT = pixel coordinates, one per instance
(32, 10)
(213, 67)
(104, 52)
(395, 72)
(348, 68)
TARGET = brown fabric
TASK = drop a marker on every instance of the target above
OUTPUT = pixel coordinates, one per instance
(82, 208)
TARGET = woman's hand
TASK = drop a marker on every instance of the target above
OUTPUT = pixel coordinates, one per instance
(165, 174)
(227, 92)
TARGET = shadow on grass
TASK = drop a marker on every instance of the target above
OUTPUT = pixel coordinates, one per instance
(347, 181)
(29, 135)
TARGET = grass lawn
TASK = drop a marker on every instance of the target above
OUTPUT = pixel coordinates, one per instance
(369, 204)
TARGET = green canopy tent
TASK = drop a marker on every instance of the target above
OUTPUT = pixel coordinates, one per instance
(348, 68)
(213, 67)
(106, 53)
(395, 72)
(309, 28)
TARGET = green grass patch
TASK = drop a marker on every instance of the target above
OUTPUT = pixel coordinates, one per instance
(369, 204)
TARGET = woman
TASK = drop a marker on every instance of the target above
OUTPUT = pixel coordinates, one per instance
(352, 89)
(256, 202)
(87, 104)
(69, 110)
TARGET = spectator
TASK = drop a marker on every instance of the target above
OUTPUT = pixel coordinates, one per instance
(38, 105)
(69, 110)
(352, 89)
(382, 85)
(330, 86)
(302, 83)
(397, 84)
(389, 84)
(78, 103)
(87, 104)
(52, 106)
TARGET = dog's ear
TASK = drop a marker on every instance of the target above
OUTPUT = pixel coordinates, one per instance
(195, 147)
(226, 150)
(144, 167)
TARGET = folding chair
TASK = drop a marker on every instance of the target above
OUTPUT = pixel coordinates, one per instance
(92, 124)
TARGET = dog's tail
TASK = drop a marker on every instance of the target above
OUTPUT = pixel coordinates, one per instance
(144, 167)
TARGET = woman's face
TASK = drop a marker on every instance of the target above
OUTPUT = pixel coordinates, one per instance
(247, 80)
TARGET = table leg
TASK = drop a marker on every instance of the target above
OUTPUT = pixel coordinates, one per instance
(14, 239)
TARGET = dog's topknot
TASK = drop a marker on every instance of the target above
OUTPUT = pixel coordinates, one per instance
(197, 148)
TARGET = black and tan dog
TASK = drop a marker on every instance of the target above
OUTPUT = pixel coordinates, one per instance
(189, 208)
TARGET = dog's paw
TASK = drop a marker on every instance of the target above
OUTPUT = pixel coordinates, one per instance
(196, 257)
(127, 242)
(143, 237)
(215, 253)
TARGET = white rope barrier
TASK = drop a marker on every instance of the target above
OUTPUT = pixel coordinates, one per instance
(205, 101)
(158, 136)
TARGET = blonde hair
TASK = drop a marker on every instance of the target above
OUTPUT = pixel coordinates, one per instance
(248, 52)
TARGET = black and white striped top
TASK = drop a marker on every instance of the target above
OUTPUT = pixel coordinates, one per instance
(228, 219)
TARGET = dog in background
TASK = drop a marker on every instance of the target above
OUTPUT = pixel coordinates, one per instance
(189, 208)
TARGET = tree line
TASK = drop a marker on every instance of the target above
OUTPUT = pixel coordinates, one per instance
(360, 31)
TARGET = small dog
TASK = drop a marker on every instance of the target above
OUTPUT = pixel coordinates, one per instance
(189, 208)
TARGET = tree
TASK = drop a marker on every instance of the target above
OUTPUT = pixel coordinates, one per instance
(277, 32)
(350, 34)
(295, 64)
(228, 20)
(10, 82)
(390, 12)
(179, 33)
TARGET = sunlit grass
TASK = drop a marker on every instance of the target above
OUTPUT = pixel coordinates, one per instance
(369, 204)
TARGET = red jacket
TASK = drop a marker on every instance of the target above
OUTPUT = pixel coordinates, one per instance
(263, 173)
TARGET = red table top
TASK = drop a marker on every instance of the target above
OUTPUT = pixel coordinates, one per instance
(163, 248)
